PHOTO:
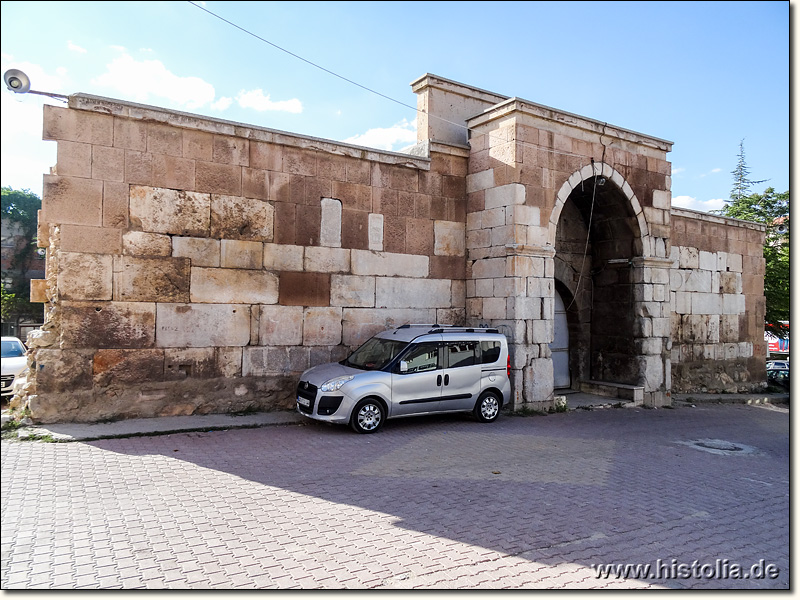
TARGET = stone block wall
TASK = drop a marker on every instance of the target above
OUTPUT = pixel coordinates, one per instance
(199, 266)
(717, 303)
(196, 265)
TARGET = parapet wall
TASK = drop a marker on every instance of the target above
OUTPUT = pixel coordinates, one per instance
(198, 266)
(717, 301)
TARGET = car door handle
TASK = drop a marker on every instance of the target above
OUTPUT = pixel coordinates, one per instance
(439, 380)
(447, 379)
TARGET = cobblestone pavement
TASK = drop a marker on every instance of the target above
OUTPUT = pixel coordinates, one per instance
(436, 503)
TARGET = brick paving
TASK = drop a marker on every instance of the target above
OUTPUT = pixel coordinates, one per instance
(430, 503)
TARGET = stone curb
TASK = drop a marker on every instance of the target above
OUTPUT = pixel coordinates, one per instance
(731, 398)
(79, 432)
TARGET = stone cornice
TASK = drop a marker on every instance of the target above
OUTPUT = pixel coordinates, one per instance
(525, 107)
(155, 114)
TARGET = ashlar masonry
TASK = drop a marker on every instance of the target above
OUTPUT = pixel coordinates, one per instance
(196, 265)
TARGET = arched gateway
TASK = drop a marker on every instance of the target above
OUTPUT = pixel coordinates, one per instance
(564, 207)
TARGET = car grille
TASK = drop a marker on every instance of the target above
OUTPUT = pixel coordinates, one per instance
(7, 380)
(309, 392)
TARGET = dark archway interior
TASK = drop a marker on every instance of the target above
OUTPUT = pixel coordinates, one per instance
(600, 275)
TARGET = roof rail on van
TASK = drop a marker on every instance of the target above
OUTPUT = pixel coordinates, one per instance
(437, 328)
(458, 329)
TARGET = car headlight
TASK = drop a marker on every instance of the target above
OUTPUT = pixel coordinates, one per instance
(334, 384)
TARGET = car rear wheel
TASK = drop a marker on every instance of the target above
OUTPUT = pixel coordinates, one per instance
(368, 416)
(487, 408)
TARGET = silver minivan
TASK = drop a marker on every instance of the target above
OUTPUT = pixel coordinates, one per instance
(411, 370)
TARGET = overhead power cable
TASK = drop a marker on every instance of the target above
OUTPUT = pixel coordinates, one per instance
(370, 90)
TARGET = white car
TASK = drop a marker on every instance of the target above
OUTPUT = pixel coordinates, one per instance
(13, 362)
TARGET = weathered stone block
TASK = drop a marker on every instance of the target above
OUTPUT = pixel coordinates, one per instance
(229, 362)
(231, 150)
(400, 292)
(61, 123)
(108, 164)
(689, 258)
(203, 252)
(116, 366)
(733, 304)
(63, 370)
(139, 243)
(151, 279)
(538, 380)
(322, 326)
(327, 260)
(115, 204)
(202, 325)
(108, 324)
(352, 291)
(489, 268)
(74, 159)
(330, 233)
(283, 257)
(375, 232)
(237, 218)
(85, 276)
(72, 200)
(280, 326)
(38, 290)
(706, 304)
(182, 363)
(304, 289)
(233, 286)
(494, 308)
(449, 238)
(94, 240)
(505, 195)
(160, 210)
(355, 229)
(239, 254)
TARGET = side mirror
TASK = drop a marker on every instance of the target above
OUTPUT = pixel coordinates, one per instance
(403, 366)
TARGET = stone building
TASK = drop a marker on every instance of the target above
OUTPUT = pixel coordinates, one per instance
(196, 265)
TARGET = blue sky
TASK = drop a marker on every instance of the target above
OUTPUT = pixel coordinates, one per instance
(704, 75)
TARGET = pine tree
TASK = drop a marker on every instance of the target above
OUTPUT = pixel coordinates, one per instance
(741, 183)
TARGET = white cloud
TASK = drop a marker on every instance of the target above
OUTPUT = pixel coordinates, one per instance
(401, 134)
(75, 48)
(677, 171)
(257, 100)
(716, 170)
(222, 104)
(695, 204)
(139, 80)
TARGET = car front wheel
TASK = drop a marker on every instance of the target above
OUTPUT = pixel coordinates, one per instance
(487, 408)
(368, 416)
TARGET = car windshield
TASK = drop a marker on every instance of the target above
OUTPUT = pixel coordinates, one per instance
(375, 354)
(12, 348)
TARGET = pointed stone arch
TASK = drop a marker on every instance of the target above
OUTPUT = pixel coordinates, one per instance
(615, 177)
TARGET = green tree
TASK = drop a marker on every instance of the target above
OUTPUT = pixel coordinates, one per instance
(742, 184)
(20, 207)
(772, 210)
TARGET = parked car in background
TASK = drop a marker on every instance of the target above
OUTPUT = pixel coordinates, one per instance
(778, 377)
(777, 364)
(411, 370)
(13, 362)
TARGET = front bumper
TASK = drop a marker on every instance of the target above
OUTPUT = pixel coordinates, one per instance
(328, 407)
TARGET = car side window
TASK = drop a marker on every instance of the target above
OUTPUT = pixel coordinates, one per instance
(490, 352)
(421, 358)
(461, 354)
